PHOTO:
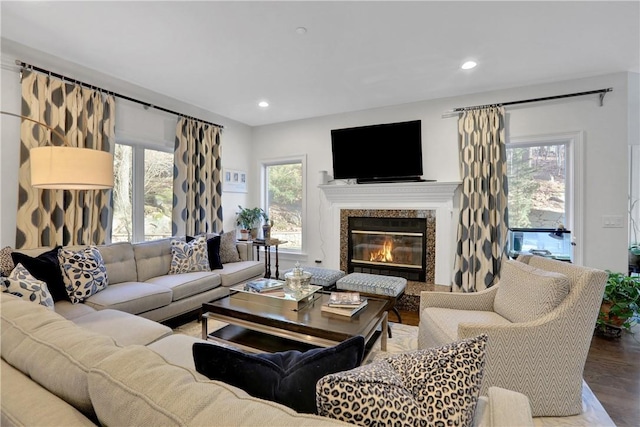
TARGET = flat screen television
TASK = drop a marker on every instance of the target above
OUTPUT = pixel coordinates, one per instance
(387, 152)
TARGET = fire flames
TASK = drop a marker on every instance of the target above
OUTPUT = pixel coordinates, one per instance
(384, 254)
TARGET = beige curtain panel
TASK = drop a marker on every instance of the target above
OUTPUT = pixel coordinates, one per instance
(86, 118)
(482, 229)
(197, 188)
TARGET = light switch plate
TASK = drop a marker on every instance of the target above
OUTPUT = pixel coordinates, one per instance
(612, 221)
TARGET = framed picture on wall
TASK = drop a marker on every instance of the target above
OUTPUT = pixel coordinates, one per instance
(235, 181)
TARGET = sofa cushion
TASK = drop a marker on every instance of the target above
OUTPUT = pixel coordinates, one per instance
(238, 272)
(53, 351)
(187, 257)
(526, 293)
(24, 285)
(440, 386)
(120, 262)
(145, 390)
(187, 284)
(26, 403)
(6, 262)
(131, 297)
(177, 350)
(124, 328)
(287, 377)
(153, 258)
(228, 248)
(83, 272)
(46, 267)
(71, 311)
(443, 322)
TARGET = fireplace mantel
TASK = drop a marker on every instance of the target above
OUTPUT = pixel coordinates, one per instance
(437, 196)
(425, 192)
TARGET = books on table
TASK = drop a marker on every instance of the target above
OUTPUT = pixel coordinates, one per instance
(344, 303)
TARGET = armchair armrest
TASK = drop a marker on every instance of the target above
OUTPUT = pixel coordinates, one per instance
(481, 301)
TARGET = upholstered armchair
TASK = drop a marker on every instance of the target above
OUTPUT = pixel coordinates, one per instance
(539, 319)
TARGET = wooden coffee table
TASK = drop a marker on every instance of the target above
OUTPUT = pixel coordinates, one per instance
(257, 327)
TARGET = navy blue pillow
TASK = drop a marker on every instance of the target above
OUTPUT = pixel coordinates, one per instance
(288, 377)
(45, 267)
(213, 251)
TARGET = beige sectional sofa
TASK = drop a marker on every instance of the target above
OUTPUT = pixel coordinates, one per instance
(112, 368)
(139, 282)
(57, 373)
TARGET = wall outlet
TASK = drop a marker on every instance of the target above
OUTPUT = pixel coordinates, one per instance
(612, 221)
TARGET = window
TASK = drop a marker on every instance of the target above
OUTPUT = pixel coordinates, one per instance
(542, 195)
(283, 195)
(142, 193)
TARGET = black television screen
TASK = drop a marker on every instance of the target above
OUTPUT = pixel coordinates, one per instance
(378, 153)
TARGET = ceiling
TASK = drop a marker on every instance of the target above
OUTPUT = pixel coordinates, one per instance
(225, 57)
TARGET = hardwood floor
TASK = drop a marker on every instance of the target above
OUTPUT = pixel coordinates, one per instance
(612, 371)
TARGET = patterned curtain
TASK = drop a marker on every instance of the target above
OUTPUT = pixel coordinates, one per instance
(86, 118)
(482, 229)
(197, 189)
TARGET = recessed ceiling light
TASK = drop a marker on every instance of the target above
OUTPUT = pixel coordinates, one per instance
(468, 65)
(263, 104)
(301, 30)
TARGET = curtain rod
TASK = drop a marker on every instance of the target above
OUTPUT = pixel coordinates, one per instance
(145, 104)
(602, 93)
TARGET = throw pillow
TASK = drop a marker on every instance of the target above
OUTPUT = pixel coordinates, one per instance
(228, 248)
(213, 251)
(83, 272)
(6, 262)
(22, 284)
(439, 386)
(187, 257)
(45, 267)
(288, 377)
(526, 293)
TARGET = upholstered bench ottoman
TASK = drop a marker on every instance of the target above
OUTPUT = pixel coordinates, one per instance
(390, 287)
(324, 277)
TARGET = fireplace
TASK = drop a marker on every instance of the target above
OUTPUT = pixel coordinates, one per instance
(388, 245)
(391, 242)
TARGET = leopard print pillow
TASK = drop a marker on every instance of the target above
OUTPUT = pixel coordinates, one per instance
(6, 262)
(434, 387)
(83, 272)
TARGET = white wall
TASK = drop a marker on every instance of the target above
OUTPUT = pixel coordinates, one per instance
(607, 131)
(606, 139)
(133, 123)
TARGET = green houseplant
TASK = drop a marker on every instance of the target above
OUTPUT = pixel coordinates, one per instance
(249, 218)
(620, 301)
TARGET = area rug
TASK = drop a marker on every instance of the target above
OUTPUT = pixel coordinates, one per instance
(405, 338)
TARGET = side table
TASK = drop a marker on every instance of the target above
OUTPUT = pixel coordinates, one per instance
(266, 244)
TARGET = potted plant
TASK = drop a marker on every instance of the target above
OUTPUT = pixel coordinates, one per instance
(248, 219)
(620, 301)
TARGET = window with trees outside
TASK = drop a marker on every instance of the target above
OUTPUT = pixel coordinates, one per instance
(283, 195)
(142, 193)
(539, 199)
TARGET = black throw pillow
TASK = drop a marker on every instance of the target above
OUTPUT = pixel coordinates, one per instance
(45, 267)
(288, 377)
(213, 251)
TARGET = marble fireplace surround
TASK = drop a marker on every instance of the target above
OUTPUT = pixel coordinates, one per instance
(434, 200)
(430, 232)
